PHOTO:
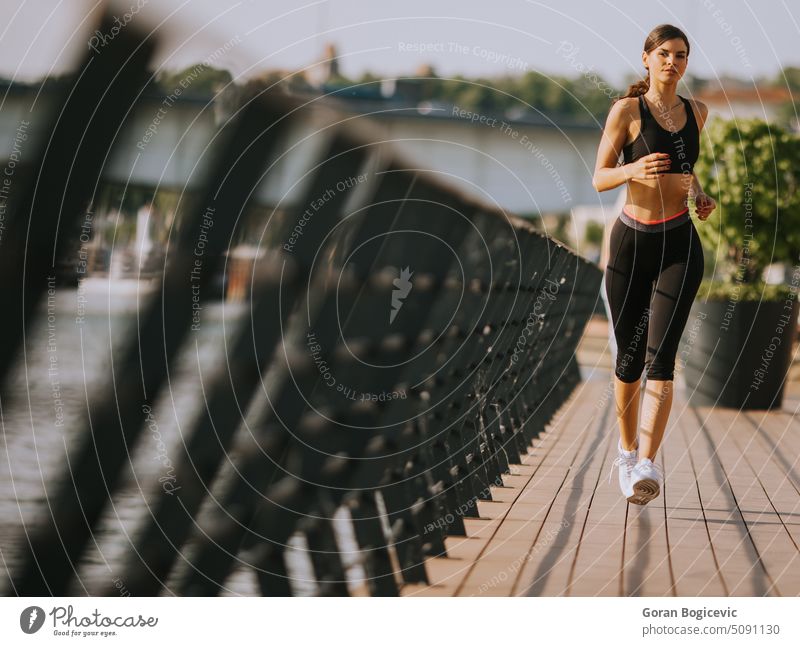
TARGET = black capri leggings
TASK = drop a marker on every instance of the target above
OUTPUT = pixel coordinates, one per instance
(652, 277)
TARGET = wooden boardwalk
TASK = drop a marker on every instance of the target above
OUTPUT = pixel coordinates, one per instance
(727, 522)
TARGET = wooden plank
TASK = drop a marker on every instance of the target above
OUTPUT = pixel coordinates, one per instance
(740, 565)
(694, 566)
(551, 565)
(774, 543)
(596, 569)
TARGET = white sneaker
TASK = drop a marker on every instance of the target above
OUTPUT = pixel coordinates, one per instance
(646, 482)
(626, 461)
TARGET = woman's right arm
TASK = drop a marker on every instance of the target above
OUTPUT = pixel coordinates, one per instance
(607, 174)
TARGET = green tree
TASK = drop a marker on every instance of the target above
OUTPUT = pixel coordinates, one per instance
(752, 170)
(562, 230)
(788, 77)
(788, 114)
(198, 78)
(585, 98)
(594, 233)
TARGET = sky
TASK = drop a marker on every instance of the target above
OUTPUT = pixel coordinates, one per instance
(390, 38)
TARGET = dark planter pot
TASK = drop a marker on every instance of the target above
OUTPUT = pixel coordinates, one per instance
(737, 354)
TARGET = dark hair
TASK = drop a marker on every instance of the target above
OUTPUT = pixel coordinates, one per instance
(659, 35)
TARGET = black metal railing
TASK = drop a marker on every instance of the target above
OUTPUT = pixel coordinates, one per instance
(405, 343)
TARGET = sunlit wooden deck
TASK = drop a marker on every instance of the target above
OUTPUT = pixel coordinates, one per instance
(727, 522)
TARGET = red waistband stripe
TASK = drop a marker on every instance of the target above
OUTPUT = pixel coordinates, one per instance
(671, 217)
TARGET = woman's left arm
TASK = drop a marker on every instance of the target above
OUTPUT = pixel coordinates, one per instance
(704, 204)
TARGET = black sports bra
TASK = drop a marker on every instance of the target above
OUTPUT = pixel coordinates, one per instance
(682, 146)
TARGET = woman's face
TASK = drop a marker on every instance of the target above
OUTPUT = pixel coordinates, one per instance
(667, 62)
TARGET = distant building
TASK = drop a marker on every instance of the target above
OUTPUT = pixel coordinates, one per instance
(326, 69)
(740, 101)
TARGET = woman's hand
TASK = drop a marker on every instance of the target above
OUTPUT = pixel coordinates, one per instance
(650, 166)
(704, 205)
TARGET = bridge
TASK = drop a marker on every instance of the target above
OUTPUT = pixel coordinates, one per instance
(399, 404)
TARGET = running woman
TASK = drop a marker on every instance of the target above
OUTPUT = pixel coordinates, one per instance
(655, 262)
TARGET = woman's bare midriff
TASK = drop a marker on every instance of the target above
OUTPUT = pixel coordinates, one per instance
(656, 199)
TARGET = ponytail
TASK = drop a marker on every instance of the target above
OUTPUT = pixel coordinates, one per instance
(638, 88)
